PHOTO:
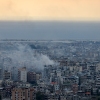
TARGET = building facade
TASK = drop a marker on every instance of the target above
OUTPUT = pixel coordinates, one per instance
(23, 93)
(22, 74)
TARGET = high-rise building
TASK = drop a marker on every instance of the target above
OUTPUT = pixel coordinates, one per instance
(22, 74)
(14, 74)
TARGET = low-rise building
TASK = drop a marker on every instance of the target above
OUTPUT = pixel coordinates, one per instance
(23, 93)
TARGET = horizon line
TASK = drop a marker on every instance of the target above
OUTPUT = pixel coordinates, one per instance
(49, 39)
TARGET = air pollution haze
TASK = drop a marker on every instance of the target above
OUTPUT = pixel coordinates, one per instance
(24, 56)
(50, 30)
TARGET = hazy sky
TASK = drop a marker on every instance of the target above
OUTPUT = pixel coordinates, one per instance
(50, 30)
(50, 10)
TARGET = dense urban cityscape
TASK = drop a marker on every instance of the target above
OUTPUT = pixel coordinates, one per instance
(49, 70)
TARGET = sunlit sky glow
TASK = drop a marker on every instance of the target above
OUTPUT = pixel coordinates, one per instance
(50, 10)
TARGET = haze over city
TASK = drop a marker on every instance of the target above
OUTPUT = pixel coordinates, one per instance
(49, 49)
(40, 30)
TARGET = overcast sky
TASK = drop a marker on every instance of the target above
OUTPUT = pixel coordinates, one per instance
(50, 30)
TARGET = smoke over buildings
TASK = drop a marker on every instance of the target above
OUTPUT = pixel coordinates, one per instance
(23, 56)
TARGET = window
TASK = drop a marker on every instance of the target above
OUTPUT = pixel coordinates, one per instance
(23, 93)
(28, 94)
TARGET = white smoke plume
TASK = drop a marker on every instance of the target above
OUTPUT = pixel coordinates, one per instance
(24, 56)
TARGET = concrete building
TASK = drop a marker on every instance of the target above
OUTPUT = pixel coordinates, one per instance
(7, 75)
(1, 74)
(8, 82)
(31, 76)
(22, 74)
(2, 92)
(23, 93)
(56, 87)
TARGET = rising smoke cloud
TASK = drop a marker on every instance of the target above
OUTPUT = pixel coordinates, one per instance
(24, 56)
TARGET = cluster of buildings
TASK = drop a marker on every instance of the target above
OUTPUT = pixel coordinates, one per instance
(74, 76)
(63, 81)
(19, 87)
